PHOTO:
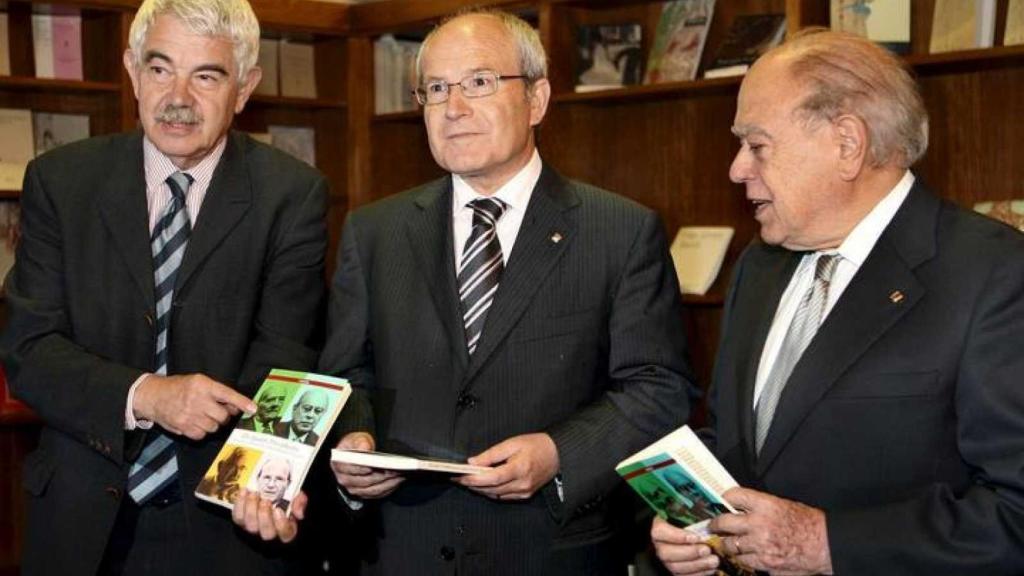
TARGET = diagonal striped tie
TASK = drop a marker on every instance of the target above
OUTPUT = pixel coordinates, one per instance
(801, 332)
(481, 267)
(157, 465)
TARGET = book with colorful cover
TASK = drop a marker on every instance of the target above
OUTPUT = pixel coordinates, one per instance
(679, 41)
(886, 22)
(683, 483)
(270, 452)
(609, 56)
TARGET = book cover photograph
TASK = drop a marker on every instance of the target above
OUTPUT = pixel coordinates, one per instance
(609, 56)
(679, 41)
(271, 451)
(54, 130)
(749, 36)
(886, 22)
(299, 141)
(683, 483)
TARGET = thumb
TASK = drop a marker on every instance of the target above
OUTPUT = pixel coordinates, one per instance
(231, 397)
(299, 505)
(741, 498)
(357, 441)
(498, 453)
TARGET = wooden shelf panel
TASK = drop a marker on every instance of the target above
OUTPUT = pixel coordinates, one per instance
(404, 116)
(938, 62)
(56, 84)
(10, 194)
(290, 102)
(710, 300)
(649, 91)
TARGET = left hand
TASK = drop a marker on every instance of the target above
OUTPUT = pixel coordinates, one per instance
(783, 537)
(523, 464)
(258, 516)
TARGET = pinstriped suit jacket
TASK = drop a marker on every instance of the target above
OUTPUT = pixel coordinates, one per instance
(584, 341)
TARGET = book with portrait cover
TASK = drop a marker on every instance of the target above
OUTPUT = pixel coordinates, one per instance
(679, 41)
(683, 483)
(270, 452)
(749, 36)
(609, 56)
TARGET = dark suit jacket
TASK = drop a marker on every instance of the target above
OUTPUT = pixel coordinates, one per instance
(81, 330)
(250, 424)
(281, 430)
(584, 341)
(904, 419)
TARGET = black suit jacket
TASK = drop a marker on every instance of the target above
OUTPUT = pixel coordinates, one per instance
(584, 341)
(904, 418)
(283, 429)
(81, 328)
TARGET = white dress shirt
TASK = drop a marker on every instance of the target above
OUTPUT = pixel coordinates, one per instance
(853, 251)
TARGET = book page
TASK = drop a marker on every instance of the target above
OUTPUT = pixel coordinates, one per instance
(270, 452)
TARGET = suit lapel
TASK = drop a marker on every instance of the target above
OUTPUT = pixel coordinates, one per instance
(124, 212)
(862, 315)
(430, 236)
(227, 200)
(532, 259)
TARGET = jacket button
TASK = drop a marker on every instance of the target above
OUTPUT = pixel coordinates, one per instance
(149, 319)
(447, 553)
(460, 530)
(466, 401)
(114, 493)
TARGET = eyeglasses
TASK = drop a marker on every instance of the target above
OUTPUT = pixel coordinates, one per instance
(476, 85)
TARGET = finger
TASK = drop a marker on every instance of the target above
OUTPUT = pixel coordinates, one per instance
(266, 520)
(490, 479)
(299, 505)
(357, 441)
(230, 396)
(252, 512)
(368, 480)
(702, 567)
(378, 490)
(738, 524)
(351, 469)
(217, 412)
(285, 527)
(682, 552)
(744, 498)
(495, 454)
(238, 510)
(662, 531)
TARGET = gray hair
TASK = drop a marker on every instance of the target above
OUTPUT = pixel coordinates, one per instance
(848, 74)
(533, 60)
(231, 19)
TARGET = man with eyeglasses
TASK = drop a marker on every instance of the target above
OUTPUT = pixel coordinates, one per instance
(504, 315)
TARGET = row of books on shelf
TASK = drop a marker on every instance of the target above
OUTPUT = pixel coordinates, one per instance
(56, 45)
(611, 56)
(289, 69)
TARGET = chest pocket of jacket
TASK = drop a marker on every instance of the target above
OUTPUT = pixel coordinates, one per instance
(542, 327)
(892, 385)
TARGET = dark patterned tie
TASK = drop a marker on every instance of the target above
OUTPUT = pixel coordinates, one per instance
(801, 332)
(157, 466)
(481, 267)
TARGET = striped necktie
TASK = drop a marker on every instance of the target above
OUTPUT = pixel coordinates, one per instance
(157, 465)
(801, 332)
(481, 268)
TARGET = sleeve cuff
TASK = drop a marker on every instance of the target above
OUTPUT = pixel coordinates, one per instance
(130, 422)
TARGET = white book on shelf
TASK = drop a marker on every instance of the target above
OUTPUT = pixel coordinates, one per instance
(5, 46)
(268, 62)
(1014, 33)
(16, 148)
(299, 141)
(297, 65)
(42, 44)
(962, 25)
(698, 253)
(55, 130)
(381, 65)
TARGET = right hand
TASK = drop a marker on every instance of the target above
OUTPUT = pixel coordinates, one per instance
(191, 405)
(681, 551)
(360, 481)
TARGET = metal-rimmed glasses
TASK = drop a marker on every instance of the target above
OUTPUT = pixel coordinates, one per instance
(476, 85)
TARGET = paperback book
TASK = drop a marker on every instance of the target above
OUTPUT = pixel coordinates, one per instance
(886, 22)
(749, 36)
(271, 451)
(16, 149)
(679, 41)
(54, 130)
(698, 253)
(683, 483)
(962, 25)
(388, 461)
(609, 56)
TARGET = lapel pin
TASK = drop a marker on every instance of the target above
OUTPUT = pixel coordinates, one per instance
(896, 297)
(556, 237)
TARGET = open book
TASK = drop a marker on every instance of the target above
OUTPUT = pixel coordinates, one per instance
(683, 482)
(399, 462)
(271, 451)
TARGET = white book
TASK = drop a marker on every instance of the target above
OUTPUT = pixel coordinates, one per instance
(386, 461)
(737, 70)
(1014, 34)
(381, 65)
(299, 141)
(42, 44)
(55, 130)
(698, 253)
(297, 66)
(268, 60)
(962, 25)
(5, 46)
(16, 148)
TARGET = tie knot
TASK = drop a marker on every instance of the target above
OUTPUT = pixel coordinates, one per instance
(826, 267)
(179, 183)
(490, 209)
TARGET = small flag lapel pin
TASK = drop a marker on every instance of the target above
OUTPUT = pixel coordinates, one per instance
(556, 237)
(896, 297)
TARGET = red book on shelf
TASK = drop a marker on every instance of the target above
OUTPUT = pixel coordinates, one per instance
(11, 409)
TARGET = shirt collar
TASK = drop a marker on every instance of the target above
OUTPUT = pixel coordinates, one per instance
(861, 240)
(515, 193)
(159, 167)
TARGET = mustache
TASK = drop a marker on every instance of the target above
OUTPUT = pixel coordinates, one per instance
(172, 114)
